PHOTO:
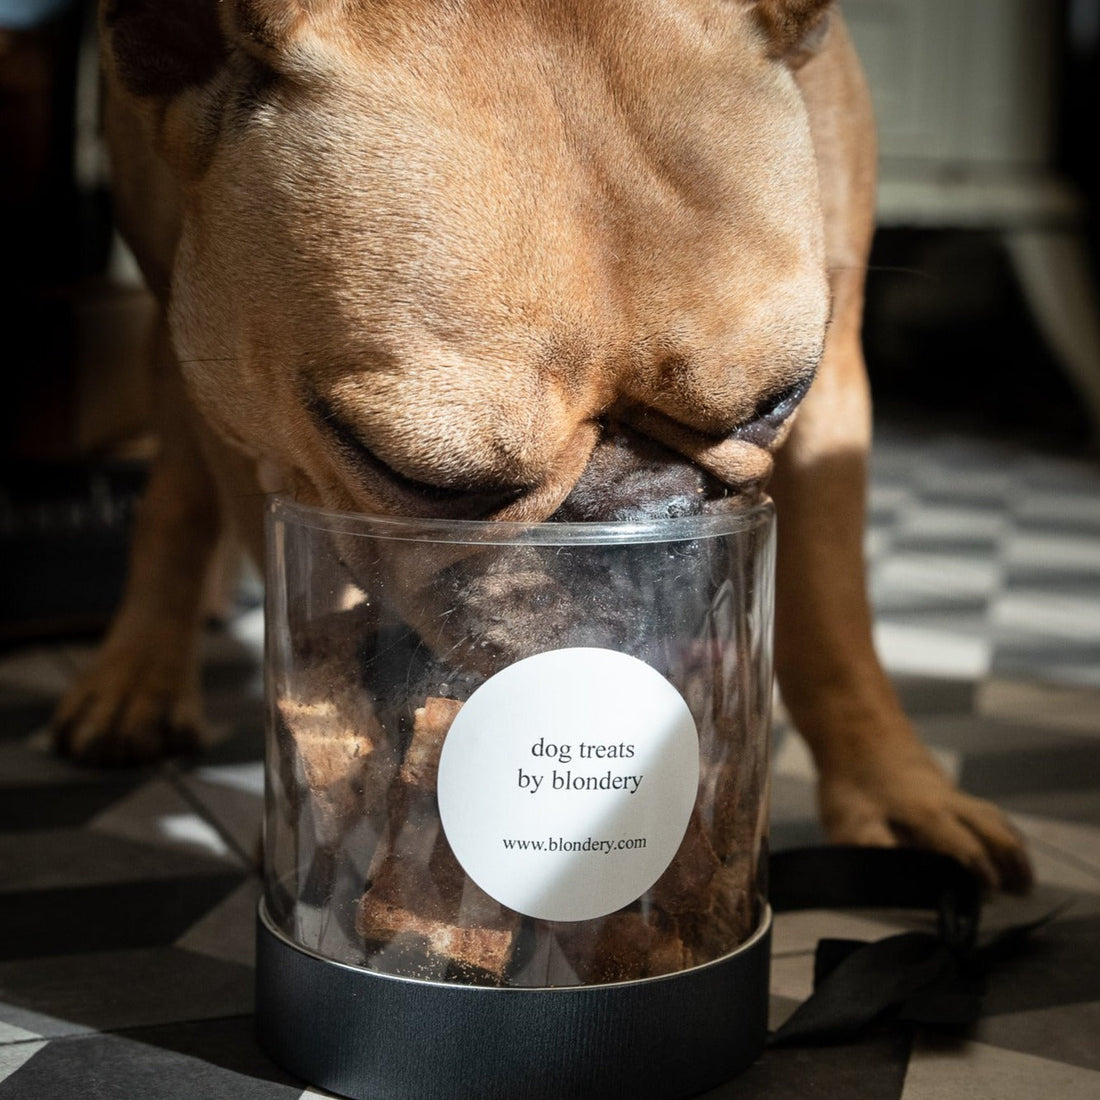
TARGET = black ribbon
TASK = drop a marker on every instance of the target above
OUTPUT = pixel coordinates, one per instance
(922, 977)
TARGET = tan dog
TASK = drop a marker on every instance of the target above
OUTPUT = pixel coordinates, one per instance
(421, 257)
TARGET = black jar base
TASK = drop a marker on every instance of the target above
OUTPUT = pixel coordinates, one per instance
(370, 1036)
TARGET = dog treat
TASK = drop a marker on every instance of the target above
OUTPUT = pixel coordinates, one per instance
(738, 779)
(470, 951)
(418, 898)
(431, 722)
(732, 917)
(687, 885)
(625, 946)
(342, 754)
(727, 921)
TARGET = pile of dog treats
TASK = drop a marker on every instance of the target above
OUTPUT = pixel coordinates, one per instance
(420, 915)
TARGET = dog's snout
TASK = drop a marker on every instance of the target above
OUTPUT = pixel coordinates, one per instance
(771, 413)
(631, 477)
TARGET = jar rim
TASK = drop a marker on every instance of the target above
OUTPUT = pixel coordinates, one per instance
(739, 520)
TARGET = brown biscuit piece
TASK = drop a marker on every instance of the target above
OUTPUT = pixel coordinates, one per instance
(740, 796)
(729, 920)
(483, 949)
(685, 887)
(416, 886)
(327, 746)
(430, 725)
(342, 758)
(624, 947)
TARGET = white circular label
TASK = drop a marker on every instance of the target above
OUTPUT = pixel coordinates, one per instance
(567, 780)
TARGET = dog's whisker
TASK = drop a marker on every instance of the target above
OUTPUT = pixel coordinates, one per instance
(892, 269)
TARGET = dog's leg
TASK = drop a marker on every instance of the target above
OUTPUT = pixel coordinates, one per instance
(139, 700)
(878, 783)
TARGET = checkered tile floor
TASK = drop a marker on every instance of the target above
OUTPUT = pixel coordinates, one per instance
(127, 899)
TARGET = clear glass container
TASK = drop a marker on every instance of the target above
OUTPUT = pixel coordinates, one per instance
(519, 756)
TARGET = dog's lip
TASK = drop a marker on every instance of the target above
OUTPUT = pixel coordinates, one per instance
(769, 416)
(741, 464)
(740, 458)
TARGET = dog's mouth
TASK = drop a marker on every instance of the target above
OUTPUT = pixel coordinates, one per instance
(485, 607)
(634, 463)
(457, 612)
(632, 477)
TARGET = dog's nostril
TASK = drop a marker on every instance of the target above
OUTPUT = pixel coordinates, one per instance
(782, 404)
(770, 413)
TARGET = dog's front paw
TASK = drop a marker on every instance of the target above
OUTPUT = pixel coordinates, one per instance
(136, 704)
(908, 800)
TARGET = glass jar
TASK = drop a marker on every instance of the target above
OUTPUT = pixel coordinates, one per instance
(509, 759)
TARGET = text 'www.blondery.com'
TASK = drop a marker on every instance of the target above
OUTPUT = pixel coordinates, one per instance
(589, 844)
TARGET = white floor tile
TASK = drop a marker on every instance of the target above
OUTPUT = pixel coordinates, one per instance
(16, 1055)
(241, 777)
(934, 576)
(1049, 706)
(1080, 844)
(954, 522)
(884, 497)
(1068, 1031)
(9, 1033)
(793, 760)
(915, 650)
(1060, 508)
(792, 976)
(978, 479)
(1053, 552)
(797, 933)
(235, 811)
(877, 544)
(248, 628)
(1074, 618)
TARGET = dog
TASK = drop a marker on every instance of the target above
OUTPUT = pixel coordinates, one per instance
(419, 257)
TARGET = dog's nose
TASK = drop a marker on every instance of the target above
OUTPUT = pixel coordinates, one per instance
(771, 413)
(631, 477)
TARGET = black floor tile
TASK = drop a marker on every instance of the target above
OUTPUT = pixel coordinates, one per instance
(213, 1060)
(1066, 765)
(47, 859)
(56, 806)
(924, 695)
(110, 990)
(953, 546)
(1059, 966)
(22, 718)
(76, 920)
(246, 744)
